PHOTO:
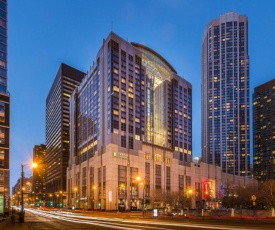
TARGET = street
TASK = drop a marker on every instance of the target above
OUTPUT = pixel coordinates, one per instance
(57, 220)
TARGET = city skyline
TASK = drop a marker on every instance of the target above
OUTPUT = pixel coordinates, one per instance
(33, 64)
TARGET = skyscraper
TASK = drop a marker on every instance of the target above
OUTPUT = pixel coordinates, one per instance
(225, 94)
(129, 117)
(57, 126)
(264, 131)
(4, 113)
(39, 174)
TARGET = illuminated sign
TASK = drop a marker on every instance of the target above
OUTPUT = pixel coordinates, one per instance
(121, 155)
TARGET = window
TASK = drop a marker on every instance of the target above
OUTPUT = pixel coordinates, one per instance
(134, 183)
(168, 178)
(131, 143)
(131, 129)
(122, 181)
(158, 176)
(123, 141)
(104, 180)
(158, 157)
(2, 135)
(147, 179)
(188, 181)
(2, 112)
(84, 182)
(2, 157)
(123, 127)
(122, 174)
(181, 183)
(92, 177)
(99, 180)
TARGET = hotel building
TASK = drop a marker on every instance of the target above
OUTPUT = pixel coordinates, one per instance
(57, 127)
(225, 94)
(131, 133)
(264, 131)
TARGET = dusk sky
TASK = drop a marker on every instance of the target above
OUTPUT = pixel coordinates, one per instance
(43, 34)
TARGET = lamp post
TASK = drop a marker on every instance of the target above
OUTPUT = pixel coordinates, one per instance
(61, 199)
(75, 199)
(143, 194)
(21, 216)
(51, 200)
(189, 196)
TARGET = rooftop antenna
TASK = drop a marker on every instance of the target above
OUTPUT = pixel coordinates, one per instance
(112, 26)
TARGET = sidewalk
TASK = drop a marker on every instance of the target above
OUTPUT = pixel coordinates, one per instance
(14, 226)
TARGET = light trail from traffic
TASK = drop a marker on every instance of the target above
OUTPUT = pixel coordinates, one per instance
(120, 223)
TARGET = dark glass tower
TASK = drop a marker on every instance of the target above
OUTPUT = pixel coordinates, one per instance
(264, 131)
(57, 127)
(39, 173)
(4, 113)
(225, 94)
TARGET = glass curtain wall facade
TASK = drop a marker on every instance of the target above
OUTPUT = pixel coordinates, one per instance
(158, 74)
(225, 94)
(4, 113)
(57, 127)
(264, 131)
(168, 106)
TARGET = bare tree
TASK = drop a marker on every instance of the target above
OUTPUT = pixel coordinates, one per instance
(267, 193)
(239, 196)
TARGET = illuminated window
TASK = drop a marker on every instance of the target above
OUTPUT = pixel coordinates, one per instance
(115, 112)
(2, 112)
(158, 157)
(2, 135)
(115, 71)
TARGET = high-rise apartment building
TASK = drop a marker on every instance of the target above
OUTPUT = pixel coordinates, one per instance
(28, 197)
(264, 131)
(57, 127)
(4, 113)
(130, 117)
(225, 94)
(39, 174)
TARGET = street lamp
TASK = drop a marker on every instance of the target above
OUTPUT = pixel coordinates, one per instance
(143, 194)
(61, 199)
(189, 195)
(21, 216)
(51, 199)
(75, 199)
